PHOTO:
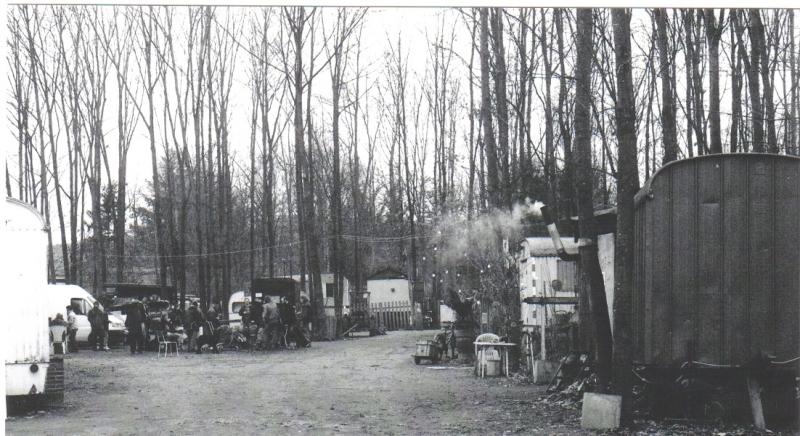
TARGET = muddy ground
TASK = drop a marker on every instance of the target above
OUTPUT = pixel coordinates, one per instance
(356, 386)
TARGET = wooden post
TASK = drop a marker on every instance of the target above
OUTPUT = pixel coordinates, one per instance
(754, 391)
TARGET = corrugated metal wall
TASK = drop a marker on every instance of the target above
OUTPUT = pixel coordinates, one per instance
(718, 260)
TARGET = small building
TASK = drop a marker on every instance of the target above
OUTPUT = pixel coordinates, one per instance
(390, 299)
(543, 274)
(329, 289)
(388, 285)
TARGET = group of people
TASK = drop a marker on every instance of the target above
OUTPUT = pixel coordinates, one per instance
(446, 339)
(202, 329)
(265, 325)
(269, 325)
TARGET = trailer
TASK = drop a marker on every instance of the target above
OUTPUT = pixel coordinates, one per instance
(30, 370)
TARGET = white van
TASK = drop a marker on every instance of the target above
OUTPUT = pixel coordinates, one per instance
(235, 303)
(59, 296)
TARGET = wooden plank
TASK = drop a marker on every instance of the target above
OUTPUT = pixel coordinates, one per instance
(736, 337)
(550, 300)
(761, 248)
(707, 302)
(785, 313)
(683, 253)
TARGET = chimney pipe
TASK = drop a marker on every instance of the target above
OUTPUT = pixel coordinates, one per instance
(552, 229)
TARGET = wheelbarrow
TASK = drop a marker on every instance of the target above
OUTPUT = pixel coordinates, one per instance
(428, 350)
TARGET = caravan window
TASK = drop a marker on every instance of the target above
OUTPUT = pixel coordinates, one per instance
(329, 290)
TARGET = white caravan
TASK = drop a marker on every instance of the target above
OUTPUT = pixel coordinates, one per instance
(29, 369)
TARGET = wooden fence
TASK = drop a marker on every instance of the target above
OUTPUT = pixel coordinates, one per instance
(393, 315)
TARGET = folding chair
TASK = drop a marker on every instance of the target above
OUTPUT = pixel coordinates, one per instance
(166, 345)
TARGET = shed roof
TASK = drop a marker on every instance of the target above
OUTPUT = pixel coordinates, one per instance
(387, 273)
(543, 247)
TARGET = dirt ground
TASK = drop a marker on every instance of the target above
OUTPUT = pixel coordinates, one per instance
(356, 386)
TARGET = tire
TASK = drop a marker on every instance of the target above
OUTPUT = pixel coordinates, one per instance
(417, 360)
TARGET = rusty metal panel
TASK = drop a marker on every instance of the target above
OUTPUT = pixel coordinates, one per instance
(734, 260)
(707, 300)
(786, 322)
(718, 260)
(659, 330)
(638, 283)
(683, 266)
(761, 260)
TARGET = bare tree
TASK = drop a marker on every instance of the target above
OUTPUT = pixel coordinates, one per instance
(627, 186)
(583, 186)
(490, 147)
(668, 105)
(713, 37)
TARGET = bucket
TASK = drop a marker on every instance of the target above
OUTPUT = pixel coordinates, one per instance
(489, 359)
(465, 336)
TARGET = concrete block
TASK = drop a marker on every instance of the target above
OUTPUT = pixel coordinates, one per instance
(543, 371)
(601, 411)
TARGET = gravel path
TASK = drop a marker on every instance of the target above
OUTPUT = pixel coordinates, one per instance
(356, 386)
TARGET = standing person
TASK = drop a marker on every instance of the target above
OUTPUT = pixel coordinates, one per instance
(304, 318)
(272, 320)
(97, 320)
(72, 330)
(134, 322)
(256, 322)
(452, 341)
(212, 323)
(195, 319)
(286, 312)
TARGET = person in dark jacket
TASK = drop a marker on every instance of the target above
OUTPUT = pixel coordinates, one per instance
(211, 336)
(134, 322)
(257, 313)
(287, 316)
(98, 320)
(272, 320)
(304, 319)
(195, 320)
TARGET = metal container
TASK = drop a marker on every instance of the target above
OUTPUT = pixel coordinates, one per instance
(717, 248)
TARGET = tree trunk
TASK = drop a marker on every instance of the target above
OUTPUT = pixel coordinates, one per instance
(736, 88)
(583, 185)
(713, 36)
(759, 44)
(501, 108)
(793, 136)
(627, 186)
(549, 147)
(669, 132)
(567, 191)
(751, 66)
(490, 148)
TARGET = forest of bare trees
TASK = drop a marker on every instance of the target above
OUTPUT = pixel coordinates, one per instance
(200, 147)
